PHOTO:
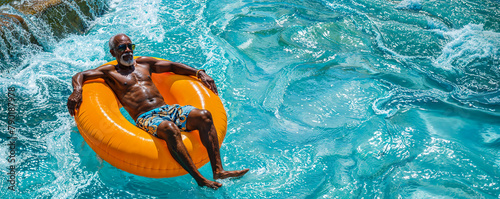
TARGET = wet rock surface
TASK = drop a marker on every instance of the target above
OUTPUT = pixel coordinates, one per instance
(31, 25)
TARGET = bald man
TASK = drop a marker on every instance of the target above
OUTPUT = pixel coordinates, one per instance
(131, 82)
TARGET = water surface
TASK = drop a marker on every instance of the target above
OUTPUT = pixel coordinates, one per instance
(325, 99)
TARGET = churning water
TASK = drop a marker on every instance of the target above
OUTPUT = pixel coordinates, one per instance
(325, 99)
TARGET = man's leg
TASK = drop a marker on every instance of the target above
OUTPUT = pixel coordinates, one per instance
(201, 120)
(169, 132)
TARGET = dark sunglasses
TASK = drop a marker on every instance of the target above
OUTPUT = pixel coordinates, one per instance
(123, 47)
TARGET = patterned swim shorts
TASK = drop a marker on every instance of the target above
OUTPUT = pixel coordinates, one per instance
(177, 114)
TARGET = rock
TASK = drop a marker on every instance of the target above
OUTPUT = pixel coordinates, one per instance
(34, 22)
(63, 17)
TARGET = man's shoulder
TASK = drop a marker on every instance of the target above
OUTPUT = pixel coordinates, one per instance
(144, 59)
(106, 67)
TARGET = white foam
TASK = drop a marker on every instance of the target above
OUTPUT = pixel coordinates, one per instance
(436, 25)
(69, 177)
(245, 44)
(491, 134)
(4, 150)
(466, 45)
(410, 5)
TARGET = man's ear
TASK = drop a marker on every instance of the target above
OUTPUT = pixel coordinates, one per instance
(112, 52)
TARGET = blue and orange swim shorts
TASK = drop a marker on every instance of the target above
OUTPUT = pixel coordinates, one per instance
(177, 114)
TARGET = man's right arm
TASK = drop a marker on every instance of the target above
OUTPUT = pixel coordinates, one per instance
(75, 99)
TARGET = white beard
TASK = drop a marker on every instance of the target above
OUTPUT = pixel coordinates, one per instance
(126, 63)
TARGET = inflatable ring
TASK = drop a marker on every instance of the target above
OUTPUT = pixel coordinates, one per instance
(133, 150)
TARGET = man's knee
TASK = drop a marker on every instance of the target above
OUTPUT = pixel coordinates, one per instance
(202, 115)
(167, 129)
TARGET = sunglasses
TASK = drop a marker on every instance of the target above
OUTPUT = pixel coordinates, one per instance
(123, 47)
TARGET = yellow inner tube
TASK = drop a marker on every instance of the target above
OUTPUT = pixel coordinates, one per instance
(133, 150)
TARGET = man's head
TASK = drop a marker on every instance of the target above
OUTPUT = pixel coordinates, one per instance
(121, 47)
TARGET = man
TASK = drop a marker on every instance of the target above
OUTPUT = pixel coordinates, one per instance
(131, 82)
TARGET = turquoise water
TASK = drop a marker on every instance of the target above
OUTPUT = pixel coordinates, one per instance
(325, 99)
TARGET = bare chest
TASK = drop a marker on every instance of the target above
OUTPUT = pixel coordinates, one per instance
(124, 80)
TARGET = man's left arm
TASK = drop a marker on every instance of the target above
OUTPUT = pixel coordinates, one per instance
(161, 66)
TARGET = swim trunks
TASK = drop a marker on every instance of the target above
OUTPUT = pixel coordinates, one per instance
(177, 114)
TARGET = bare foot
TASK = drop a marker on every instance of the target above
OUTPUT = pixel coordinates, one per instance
(210, 184)
(228, 174)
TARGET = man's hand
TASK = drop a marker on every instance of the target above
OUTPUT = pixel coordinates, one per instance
(74, 102)
(208, 81)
